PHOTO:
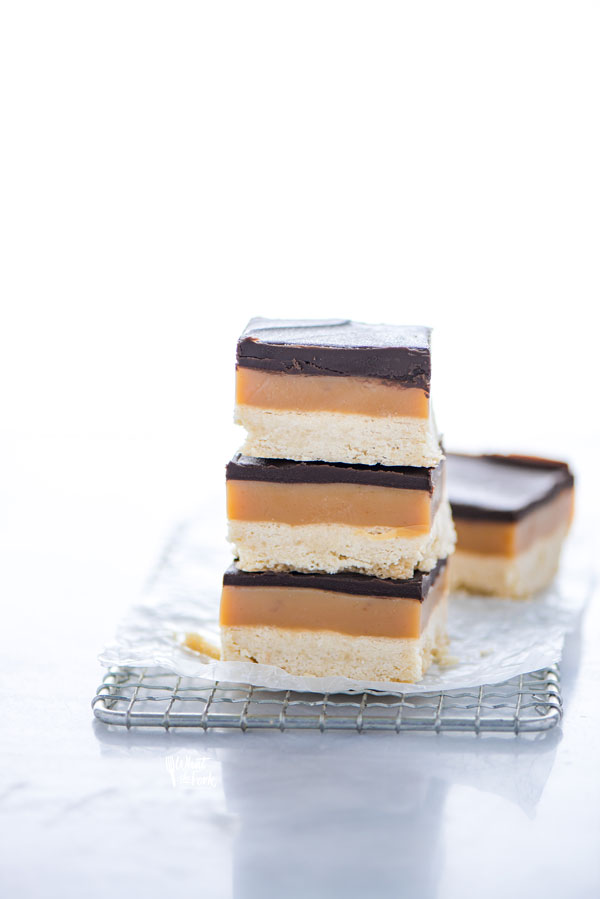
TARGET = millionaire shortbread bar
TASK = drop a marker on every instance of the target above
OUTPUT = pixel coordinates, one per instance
(511, 514)
(335, 624)
(336, 391)
(319, 516)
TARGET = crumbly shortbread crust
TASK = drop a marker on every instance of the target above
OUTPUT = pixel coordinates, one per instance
(335, 547)
(339, 437)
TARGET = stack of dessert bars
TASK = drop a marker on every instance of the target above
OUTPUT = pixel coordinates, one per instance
(337, 506)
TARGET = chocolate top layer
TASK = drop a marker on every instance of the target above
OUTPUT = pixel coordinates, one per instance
(338, 347)
(247, 468)
(503, 488)
(416, 587)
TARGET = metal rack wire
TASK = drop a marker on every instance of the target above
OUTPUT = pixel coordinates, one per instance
(133, 697)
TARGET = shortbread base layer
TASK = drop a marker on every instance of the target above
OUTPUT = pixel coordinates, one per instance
(516, 577)
(339, 437)
(332, 548)
(326, 653)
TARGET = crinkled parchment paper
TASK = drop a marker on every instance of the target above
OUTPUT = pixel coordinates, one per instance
(492, 640)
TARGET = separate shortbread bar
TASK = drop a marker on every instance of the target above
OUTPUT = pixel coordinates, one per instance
(319, 516)
(330, 624)
(512, 514)
(336, 391)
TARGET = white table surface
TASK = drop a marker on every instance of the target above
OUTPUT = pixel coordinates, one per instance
(86, 810)
(169, 170)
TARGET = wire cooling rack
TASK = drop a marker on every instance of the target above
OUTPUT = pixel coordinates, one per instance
(134, 697)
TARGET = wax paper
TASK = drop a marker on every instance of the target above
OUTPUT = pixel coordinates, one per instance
(491, 639)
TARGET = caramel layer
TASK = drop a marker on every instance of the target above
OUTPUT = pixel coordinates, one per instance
(353, 504)
(324, 610)
(509, 538)
(329, 393)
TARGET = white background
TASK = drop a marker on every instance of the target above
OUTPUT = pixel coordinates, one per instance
(168, 170)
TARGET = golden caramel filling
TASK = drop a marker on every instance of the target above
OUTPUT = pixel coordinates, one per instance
(305, 608)
(328, 393)
(509, 538)
(359, 505)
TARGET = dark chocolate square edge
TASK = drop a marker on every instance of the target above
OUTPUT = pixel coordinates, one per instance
(284, 471)
(502, 505)
(416, 587)
(398, 353)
